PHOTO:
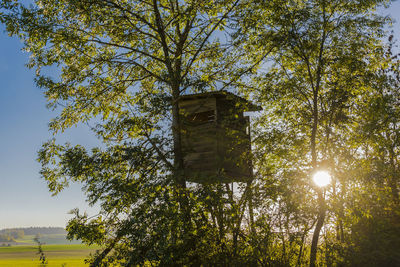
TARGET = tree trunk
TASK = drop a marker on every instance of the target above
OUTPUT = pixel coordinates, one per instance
(301, 247)
(176, 133)
(251, 209)
(393, 177)
(318, 227)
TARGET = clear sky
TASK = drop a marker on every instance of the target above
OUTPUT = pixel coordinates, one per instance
(24, 197)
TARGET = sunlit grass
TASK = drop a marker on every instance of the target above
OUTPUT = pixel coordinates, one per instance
(67, 262)
(47, 239)
(57, 255)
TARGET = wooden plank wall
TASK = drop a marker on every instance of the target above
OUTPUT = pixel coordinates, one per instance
(216, 148)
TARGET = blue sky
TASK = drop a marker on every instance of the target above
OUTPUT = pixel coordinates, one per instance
(24, 197)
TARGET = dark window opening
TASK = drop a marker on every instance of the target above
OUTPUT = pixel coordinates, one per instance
(202, 117)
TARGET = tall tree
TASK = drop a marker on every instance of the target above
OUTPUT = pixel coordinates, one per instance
(372, 197)
(121, 68)
(319, 70)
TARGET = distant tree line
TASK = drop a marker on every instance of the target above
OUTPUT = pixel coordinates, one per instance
(20, 232)
(10, 235)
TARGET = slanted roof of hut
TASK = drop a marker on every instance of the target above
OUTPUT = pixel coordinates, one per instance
(247, 105)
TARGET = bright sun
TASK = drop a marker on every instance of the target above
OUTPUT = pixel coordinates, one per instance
(322, 178)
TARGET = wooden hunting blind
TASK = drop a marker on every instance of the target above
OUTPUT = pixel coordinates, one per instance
(216, 137)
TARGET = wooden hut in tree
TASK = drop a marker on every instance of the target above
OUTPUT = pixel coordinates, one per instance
(216, 137)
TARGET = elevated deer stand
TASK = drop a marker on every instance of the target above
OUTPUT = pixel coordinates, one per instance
(216, 137)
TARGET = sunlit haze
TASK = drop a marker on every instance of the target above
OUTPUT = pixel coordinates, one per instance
(322, 178)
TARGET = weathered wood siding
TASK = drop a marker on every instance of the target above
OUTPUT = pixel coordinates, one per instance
(215, 141)
(233, 141)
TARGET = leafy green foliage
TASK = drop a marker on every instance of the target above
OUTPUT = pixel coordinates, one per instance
(321, 72)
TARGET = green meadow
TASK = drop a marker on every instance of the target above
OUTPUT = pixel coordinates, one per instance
(49, 239)
(72, 255)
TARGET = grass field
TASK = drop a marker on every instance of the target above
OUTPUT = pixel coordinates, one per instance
(53, 239)
(70, 255)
